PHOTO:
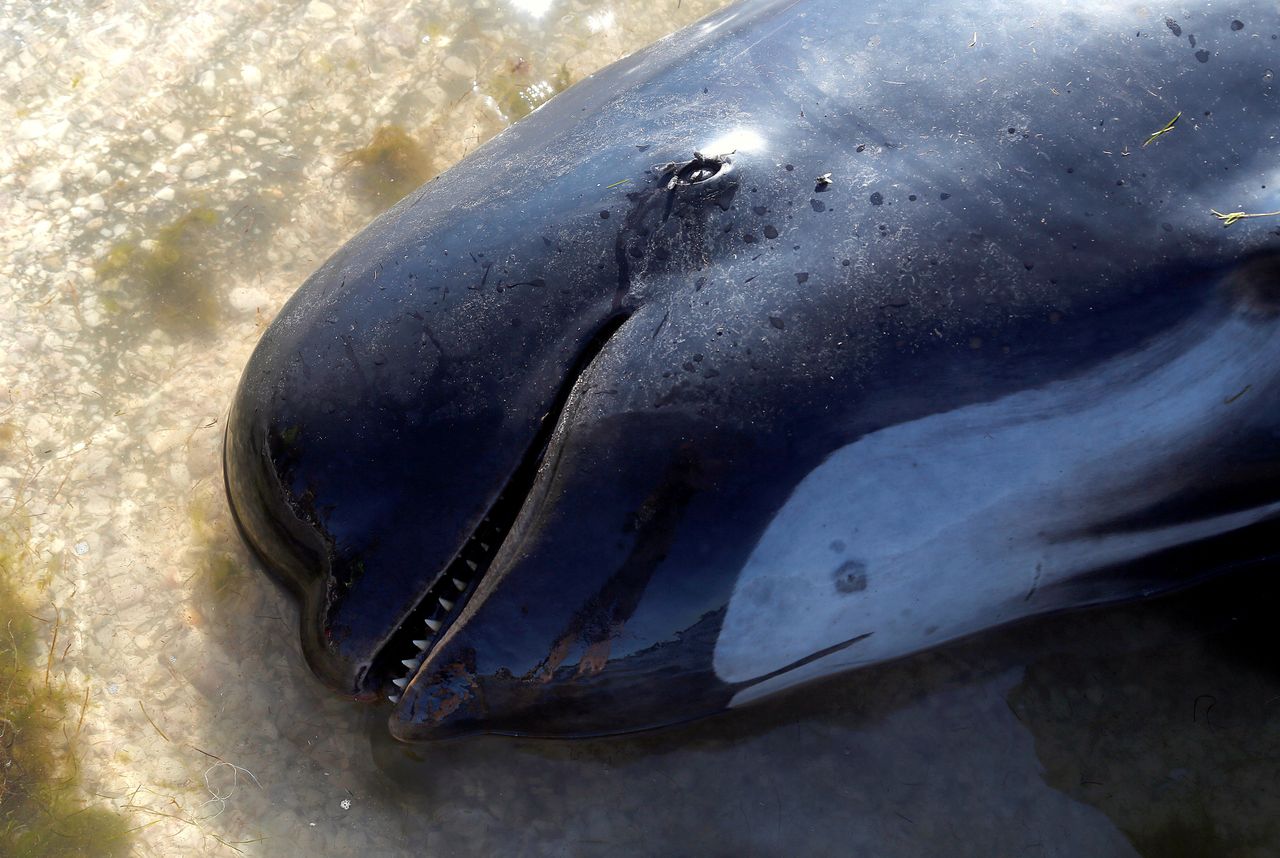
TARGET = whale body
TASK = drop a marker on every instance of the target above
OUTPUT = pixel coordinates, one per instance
(815, 335)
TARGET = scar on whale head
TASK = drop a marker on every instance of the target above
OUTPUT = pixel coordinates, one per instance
(623, 421)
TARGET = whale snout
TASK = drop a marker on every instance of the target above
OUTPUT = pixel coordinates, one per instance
(391, 421)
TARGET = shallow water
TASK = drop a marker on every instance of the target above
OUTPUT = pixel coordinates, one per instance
(168, 178)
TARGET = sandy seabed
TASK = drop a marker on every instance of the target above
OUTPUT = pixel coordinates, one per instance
(167, 178)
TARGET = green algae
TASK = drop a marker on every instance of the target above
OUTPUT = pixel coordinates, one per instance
(166, 279)
(220, 574)
(518, 93)
(395, 162)
(391, 165)
(8, 436)
(42, 812)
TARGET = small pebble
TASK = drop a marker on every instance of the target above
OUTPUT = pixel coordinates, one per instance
(45, 182)
(196, 170)
(173, 131)
(251, 76)
(319, 11)
(30, 129)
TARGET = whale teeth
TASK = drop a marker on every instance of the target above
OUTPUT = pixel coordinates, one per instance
(412, 663)
(401, 682)
(394, 698)
(471, 564)
(434, 625)
(422, 645)
(460, 584)
(446, 604)
(484, 546)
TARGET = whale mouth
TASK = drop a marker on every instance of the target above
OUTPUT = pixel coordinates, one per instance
(412, 641)
(400, 659)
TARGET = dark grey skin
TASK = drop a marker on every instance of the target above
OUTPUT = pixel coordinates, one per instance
(814, 335)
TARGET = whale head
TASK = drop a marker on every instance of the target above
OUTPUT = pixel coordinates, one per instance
(680, 390)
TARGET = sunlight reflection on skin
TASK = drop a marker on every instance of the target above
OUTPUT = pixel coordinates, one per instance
(737, 140)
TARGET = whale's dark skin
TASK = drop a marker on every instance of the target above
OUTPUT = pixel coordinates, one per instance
(596, 377)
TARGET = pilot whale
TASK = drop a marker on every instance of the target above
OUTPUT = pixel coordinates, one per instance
(817, 334)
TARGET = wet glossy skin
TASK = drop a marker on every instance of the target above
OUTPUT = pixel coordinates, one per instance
(995, 241)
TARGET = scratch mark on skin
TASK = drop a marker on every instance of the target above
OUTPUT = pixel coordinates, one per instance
(1231, 399)
(767, 35)
(355, 362)
(1035, 583)
(484, 279)
(430, 335)
(665, 316)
